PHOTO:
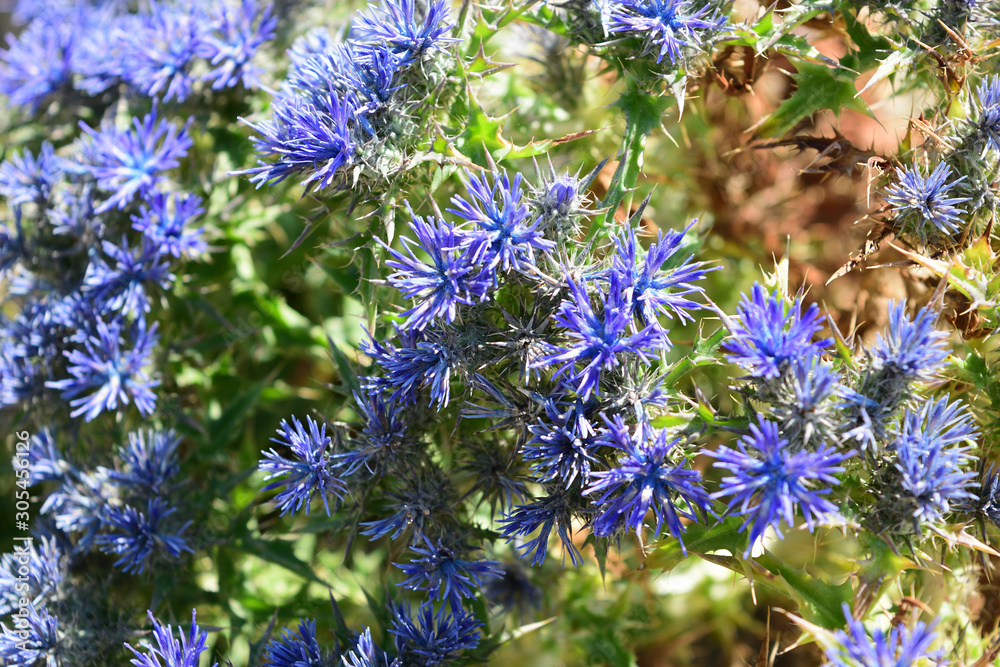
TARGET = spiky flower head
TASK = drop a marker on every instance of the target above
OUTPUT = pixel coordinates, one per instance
(295, 649)
(564, 444)
(644, 479)
(410, 28)
(450, 279)
(364, 654)
(136, 536)
(444, 574)
(900, 647)
(170, 652)
(767, 336)
(667, 27)
(989, 111)
(239, 30)
(542, 514)
(922, 201)
(35, 640)
(311, 471)
(596, 341)
(150, 460)
(769, 481)
(652, 289)
(429, 638)
(910, 350)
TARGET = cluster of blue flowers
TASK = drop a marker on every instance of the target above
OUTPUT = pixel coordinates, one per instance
(937, 209)
(348, 111)
(87, 49)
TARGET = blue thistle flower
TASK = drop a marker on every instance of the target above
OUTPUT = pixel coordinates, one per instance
(46, 567)
(989, 111)
(312, 470)
(930, 459)
(127, 163)
(899, 648)
(650, 289)
(435, 639)
(38, 62)
(416, 507)
(173, 653)
(910, 349)
(12, 246)
(161, 46)
(807, 404)
(25, 178)
(114, 372)
(559, 202)
(366, 654)
(598, 341)
(136, 537)
(150, 460)
(985, 505)
(164, 221)
(368, 74)
(504, 237)
(31, 641)
(417, 364)
(563, 447)
(410, 28)
(644, 478)
(238, 32)
(451, 279)
(924, 198)
(20, 378)
(542, 514)
(443, 574)
(304, 137)
(46, 462)
(120, 282)
(384, 432)
(667, 27)
(769, 481)
(766, 336)
(296, 650)
(78, 507)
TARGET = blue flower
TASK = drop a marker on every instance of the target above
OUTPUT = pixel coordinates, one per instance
(563, 446)
(120, 282)
(368, 74)
(899, 648)
(46, 567)
(443, 574)
(930, 458)
(384, 432)
(25, 178)
(416, 507)
(127, 163)
(305, 137)
(161, 47)
(311, 472)
(165, 223)
(766, 336)
(291, 650)
(173, 653)
(38, 62)
(416, 364)
(32, 641)
(542, 514)
(989, 111)
(666, 26)
(136, 537)
(598, 341)
(644, 478)
(365, 654)
(409, 27)
(440, 287)
(114, 372)
(651, 290)
(434, 638)
(504, 237)
(47, 463)
(20, 377)
(769, 480)
(237, 35)
(78, 507)
(150, 459)
(925, 199)
(806, 407)
(560, 202)
(12, 246)
(910, 350)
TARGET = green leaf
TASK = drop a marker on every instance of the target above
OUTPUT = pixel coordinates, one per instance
(819, 87)
(278, 552)
(227, 427)
(700, 539)
(825, 601)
